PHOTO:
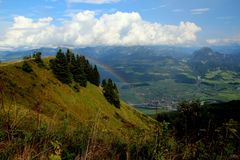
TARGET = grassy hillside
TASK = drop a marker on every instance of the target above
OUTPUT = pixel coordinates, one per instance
(41, 91)
(39, 97)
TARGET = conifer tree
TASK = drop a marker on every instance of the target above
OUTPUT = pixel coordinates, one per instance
(95, 76)
(110, 92)
(60, 68)
(79, 75)
(37, 58)
(88, 69)
(91, 75)
(69, 56)
(71, 60)
(104, 83)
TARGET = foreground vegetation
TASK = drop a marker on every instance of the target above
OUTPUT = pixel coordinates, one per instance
(205, 132)
(24, 135)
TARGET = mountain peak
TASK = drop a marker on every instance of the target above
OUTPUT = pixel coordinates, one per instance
(205, 53)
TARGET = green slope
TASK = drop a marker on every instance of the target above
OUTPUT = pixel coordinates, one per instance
(40, 93)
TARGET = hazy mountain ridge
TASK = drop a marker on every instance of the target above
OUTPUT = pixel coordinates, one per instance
(206, 59)
(104, 51)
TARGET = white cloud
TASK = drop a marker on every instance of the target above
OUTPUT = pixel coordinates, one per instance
(177, 10)
(93, 1)
(224, 41)
(85, 29)
(199, 10)
(155, 8)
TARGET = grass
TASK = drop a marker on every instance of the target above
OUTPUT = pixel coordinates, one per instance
(152, 111)
(229, 95)
(225, 75)
(40, 91)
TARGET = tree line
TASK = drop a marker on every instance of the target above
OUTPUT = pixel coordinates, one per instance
(68, 67)
(26, 67)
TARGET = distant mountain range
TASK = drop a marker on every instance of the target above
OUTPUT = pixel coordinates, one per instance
(115, 51)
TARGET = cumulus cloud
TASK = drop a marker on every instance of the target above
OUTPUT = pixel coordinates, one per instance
(223, 41)
(93, 1)
(199, 10)
(86, 29)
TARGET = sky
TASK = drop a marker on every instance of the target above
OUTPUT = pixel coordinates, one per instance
(79, 23)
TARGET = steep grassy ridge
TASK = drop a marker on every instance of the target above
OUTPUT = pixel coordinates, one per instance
(40, 93)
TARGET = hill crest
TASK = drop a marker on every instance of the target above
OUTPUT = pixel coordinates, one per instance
(40, 92)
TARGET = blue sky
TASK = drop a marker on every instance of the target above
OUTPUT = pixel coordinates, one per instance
(205, 21)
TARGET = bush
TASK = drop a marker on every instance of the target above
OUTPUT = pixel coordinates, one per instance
(38, 59)
(27, 57)
(76, 87)
(26, 67)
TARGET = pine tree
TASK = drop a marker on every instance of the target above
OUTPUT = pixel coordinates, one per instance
(95, 76)
(115, 87)
(79, 75)
(69, 56)
(104, 83)
(88, 70)
(71, 60)
(111, 93)
(60, 68)
(37, 58)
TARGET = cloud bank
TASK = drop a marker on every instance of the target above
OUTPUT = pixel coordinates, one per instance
(224, 41)
(86, 29)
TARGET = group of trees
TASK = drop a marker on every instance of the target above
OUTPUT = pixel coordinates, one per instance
(70, 67)
(36, 57)
(110, 92)
(205, 132)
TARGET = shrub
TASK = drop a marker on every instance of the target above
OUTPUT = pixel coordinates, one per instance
(76, 87)
(26, 67)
